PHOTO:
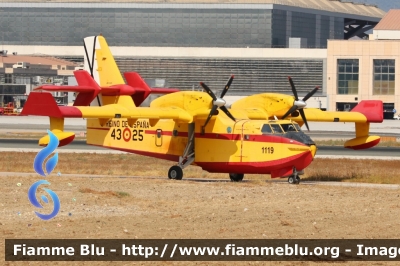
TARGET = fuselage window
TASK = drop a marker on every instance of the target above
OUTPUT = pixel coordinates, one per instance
(266, 129)
(277, 128)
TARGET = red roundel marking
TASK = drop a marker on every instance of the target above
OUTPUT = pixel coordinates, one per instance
(126, 134)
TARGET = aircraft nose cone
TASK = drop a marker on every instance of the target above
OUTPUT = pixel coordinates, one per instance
(313, 150)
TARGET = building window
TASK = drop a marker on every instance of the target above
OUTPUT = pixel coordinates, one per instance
(347, 76)
(8, 79)
(384, 72)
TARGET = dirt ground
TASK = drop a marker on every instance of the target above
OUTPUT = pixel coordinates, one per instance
(145, 208)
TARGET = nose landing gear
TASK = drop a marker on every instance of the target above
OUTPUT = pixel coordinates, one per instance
(295, 177)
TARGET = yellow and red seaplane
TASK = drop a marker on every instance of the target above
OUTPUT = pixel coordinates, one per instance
(259, 134)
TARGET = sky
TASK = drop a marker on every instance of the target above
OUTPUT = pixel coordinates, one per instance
(382, 4)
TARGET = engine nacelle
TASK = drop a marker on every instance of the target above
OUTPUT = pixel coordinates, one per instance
(361, 143)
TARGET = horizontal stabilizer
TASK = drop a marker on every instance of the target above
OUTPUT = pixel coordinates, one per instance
(54, 88)
(87, 88)
(43, 104)
(116, 90)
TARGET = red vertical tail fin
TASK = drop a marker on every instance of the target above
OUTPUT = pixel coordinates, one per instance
(84, 98)
(142, 90)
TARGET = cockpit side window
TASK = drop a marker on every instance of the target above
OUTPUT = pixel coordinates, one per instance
(297, 127)
(266, 129)
(277, 128)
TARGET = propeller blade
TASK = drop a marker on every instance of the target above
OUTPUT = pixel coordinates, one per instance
(311, 93)
(303, 116)
(293, 88)
(228, 84)
(225, 110)
(290, 111)
(208, 90)
(210, 115)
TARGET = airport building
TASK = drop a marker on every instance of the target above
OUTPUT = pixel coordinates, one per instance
(20, 74)
(180, 43)
(366, 69)
(187, 23)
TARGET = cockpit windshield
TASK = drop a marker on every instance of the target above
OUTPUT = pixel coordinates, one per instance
(297, 127)
(280, 128)
(288, 127)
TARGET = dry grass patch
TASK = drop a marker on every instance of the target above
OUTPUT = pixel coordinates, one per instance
(118, 194)
(100, 164)
(370, 171)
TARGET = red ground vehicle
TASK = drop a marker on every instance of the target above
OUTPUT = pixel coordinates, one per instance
(8, 109)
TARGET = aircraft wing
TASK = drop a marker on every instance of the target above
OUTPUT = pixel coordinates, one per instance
(43, 104)
(118, 111)
(365, 112)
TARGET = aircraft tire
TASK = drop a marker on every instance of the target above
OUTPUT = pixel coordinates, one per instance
(293, 179)
(236, 177)
(175, 172)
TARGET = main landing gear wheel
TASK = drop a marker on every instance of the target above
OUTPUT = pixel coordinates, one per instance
(175, 172)
(236, 177)
(294, 179)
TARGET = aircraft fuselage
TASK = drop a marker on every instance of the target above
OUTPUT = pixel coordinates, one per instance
(244, 146)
